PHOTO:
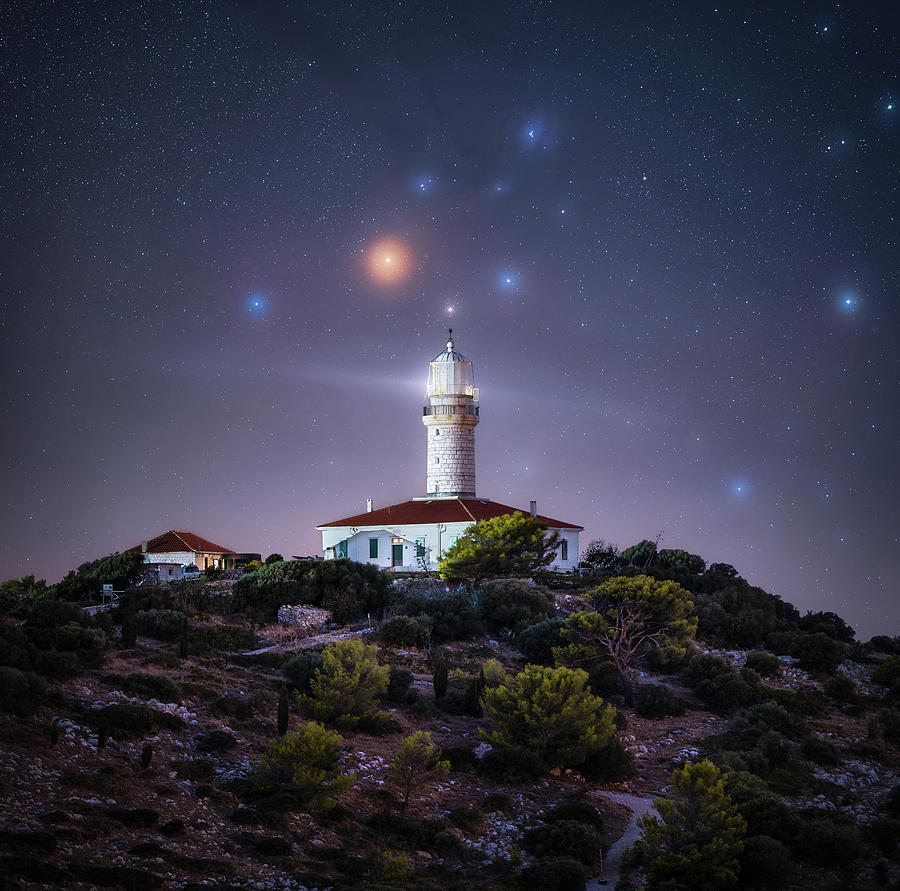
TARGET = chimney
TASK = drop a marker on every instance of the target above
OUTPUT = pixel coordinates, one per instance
(533, 509)
(143, 547)
(369, 505)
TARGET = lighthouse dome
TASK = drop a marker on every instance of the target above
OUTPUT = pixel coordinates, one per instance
(451, 374)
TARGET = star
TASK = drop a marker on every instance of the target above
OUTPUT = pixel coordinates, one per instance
(387, 261)
(256, 304)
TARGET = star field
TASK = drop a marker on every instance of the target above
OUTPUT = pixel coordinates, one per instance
(665, 235)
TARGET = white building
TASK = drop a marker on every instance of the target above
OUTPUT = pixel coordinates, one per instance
(180, 548)
(415, 534)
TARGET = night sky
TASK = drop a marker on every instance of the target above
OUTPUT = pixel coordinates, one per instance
(234, 235)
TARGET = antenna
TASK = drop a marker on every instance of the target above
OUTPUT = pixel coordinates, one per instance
(652, 553)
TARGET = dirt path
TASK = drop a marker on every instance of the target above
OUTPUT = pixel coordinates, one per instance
(612, 865)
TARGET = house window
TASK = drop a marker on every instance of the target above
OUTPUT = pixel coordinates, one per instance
(342, 548)
(437, 460)
(564, 550)
(452, 540)
(373, 547)
(437, 432)
(420, 546)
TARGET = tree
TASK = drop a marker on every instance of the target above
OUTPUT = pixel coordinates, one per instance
(817, 651)
(672, 558)
(511, 605)
(640, 554)
(17, 592)
(417, 761)
(274, 558)
(696, 840)
(552, 712)
(603, 556)
(305, 762)
(631, 616)
(508, 545)
(119, 570)
(348, 684)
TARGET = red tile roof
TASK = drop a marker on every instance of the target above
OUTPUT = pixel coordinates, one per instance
(176, 540)
(440, 510)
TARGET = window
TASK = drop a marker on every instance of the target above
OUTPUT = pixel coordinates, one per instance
(437, 432)
(342, 548)
(452, 540)
(564, 550)
(437, 460)
(420, 546)
(373, 547)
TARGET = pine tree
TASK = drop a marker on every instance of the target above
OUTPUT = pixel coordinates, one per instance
(440, 677)
(417, 761)
(695, 842)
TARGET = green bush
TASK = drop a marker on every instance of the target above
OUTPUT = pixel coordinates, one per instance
(305, 763)
(821, 752)
(817, 652)
(403, 631)
(610, 764)
(719, 685)
(840, 688)
(766, 863)
(551, 711)
(515, 766)
(537, 641)
(829, 840)
(21, 692)
(160, 624)
(887, 723)
(46, 614)
(200, 770)
(349, 589)
(554, 875)
(888, 672)
(348, 684)
(764, 664)
(579, 811)
(219, 638)
(399, 681)
(124, 721)
(657, 701)
(301, 669)
(152, 686)
(453, 616)
(512, 605)
(564, 839)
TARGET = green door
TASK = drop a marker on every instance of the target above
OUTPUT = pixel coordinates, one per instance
(397, 555)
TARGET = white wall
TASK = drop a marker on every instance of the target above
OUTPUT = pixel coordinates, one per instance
(437, 541)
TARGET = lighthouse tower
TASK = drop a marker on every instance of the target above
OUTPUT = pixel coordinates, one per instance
(450, 416)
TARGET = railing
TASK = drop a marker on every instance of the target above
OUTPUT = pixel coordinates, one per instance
(450, 410)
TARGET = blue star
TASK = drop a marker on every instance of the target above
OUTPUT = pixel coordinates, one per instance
(256, 304)
(508, 280)
(423, 185)
(849, 302)
(531, 133)
(739, 489)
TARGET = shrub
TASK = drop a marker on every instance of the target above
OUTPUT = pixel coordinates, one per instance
(348, 684)
(892, 801)
(610, 764)
(20, 691)
(45, 614)
(497, 801)
(199, 770)
(515, 766)
(219, 638)
(579, 811)
(840, 688)
(349, 589)
(887, 723)
(829, 840)
(152, 686)
(373, 723)
(301, 669)
(720, 686)
(160, 624)
(766, 863)
(657, 701)
(551, 711)
(817, 652)
(554, 875)
(536, 642)
(403, 631)
(453, 616)
(494, 673)
(821, 752)
(399, 681)
(417, 762)
(123, 721)
(565, 839)
(884, 833)
(511, 605)
(764, 664)
(305, 763)
(780, 642)
(888, 672)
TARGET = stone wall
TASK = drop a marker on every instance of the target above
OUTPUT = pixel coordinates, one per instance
(306, 619)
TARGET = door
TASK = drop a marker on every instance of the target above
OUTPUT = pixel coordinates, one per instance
(397, 555)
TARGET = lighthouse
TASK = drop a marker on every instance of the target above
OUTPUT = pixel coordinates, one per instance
(450, 416)
(414, 535)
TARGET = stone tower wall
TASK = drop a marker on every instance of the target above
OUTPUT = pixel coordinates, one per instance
(450, 454)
